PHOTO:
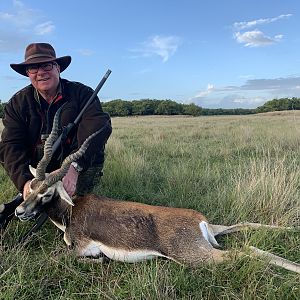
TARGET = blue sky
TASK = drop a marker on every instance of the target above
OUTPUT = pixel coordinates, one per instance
(226, 53)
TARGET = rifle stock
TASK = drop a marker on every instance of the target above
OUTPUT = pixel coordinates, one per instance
(8, 209)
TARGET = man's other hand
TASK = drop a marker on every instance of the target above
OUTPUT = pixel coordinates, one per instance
(70, 181)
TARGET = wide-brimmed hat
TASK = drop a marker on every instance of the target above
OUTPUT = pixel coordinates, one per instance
(37, 53)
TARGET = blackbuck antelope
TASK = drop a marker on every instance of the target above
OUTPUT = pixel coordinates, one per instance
(99, 227)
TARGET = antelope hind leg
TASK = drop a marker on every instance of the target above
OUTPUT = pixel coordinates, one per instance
(222, 229)
(219, 256)
(275, 260)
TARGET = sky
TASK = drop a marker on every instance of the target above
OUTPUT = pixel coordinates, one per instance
(214, 53)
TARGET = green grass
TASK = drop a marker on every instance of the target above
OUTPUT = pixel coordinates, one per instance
(232, 169)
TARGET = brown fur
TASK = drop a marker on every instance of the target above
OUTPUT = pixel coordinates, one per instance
(136, 226)
(144, 231)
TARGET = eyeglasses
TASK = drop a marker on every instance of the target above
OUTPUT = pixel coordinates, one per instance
(33, 69)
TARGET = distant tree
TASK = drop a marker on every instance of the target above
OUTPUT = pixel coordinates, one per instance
(169, 107)
(294, 103)
(280, 104)
(191, 109)
(118, 107)
(228, 111)
(144, 107)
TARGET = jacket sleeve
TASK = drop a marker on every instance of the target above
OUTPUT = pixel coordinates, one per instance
(14, 148)
(92, 120)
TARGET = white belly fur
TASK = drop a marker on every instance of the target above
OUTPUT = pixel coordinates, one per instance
(95, 248)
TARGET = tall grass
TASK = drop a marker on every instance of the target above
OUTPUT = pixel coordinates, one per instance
(232, 169)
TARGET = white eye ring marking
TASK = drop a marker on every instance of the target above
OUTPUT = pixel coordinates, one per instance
(45, 197)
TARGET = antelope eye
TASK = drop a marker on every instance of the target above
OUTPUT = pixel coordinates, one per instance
(46, 198)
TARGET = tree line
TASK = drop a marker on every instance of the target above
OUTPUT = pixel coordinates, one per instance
(144, 107)
(120, 107)
(280, 104)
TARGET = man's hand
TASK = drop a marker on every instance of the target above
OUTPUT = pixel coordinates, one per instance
(70, 181)
(26, 189)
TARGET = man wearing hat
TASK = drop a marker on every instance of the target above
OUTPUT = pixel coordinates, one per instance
(28, 118)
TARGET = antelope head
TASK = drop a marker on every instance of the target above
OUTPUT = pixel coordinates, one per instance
(48, 186)
(41, 193)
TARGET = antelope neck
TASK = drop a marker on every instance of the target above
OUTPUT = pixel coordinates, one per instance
(59, 211)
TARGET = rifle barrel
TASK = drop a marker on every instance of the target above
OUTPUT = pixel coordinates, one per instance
(71, 125)
(97, 89)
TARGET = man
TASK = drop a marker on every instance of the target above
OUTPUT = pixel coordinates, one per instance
(28, 118)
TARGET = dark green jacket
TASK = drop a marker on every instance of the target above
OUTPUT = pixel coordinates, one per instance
(26, 117)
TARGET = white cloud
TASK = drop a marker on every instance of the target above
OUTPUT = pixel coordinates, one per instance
(227, 101)
(85, 52)
(19, 17)
(10, 43)
(254, 23)
(256, 38)
(18, 3)
(209, 90)
(144, 71)
(245, 77)
(6, 16)
(248, 101)
(162, 46)
(19, 25)
(44, 28)
(290, 83)
(252, 93)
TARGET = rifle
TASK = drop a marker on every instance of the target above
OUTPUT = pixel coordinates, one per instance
(7, 210)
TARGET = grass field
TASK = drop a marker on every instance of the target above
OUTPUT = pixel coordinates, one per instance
(232, 169)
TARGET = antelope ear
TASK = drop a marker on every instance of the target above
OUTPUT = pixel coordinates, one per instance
(62, 193)
(32, 170)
